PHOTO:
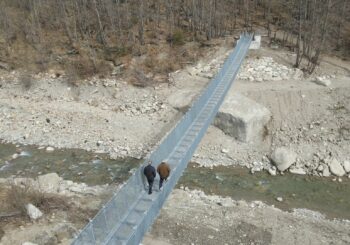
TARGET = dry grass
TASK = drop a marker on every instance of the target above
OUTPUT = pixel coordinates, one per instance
(139, 79)
(15, 197)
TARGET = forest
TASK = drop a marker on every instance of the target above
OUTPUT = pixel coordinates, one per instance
(90, 36)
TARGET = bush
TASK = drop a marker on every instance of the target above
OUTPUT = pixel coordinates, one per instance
(177, 38)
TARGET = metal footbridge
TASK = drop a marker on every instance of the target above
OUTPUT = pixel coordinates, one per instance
(131, 211)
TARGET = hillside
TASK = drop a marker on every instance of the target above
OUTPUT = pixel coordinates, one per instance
(82, 38)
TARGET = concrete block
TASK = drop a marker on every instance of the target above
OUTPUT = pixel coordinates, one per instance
(256, 42)
(242, 118)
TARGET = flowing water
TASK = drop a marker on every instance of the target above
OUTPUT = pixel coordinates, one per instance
(320, 194)
(71, 164)
(325, 195)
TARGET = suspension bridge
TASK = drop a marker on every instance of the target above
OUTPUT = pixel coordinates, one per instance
(128, 215)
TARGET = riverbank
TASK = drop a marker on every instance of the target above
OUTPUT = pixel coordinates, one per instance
(191, 217)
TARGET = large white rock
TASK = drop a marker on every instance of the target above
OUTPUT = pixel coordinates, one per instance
(49, 182)
(347, 166)
(181, 99)
(29, 243)
(322, 81)
(336, 168)
(33, 212)
(242, 118)
(283, 158)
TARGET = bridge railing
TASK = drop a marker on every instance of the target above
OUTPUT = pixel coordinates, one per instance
(101, 229)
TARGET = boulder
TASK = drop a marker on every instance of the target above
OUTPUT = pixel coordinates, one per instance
(49, 182)
(243, 118)
(33, 212)
(347, 166)
(28, 243)
(280, 199)
(298, 74)
(322, 81)
(181, 99)
(336, 168)
(283, 158)
(224, 150)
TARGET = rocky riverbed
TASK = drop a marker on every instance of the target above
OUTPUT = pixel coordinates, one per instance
(307, 132)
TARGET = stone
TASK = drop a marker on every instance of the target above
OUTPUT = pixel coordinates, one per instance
(272, 171)
(283, 158)
(33, 212)
(326, 172)
(208, 75)
(49, 182)
(336, 168)
(226, 202)
(347, 166)
(298, 74)
(192, 71)
(14, 156)
(50, 149)
(29, 243)
(300, 171)
(322, 81)
(243, 118)
(224, 150)
(181, 99)
(280, 199)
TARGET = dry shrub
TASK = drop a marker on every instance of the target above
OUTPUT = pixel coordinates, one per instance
(19, 196)
(151, 62)
(84, 67)
(160, 66)
(139, 79)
